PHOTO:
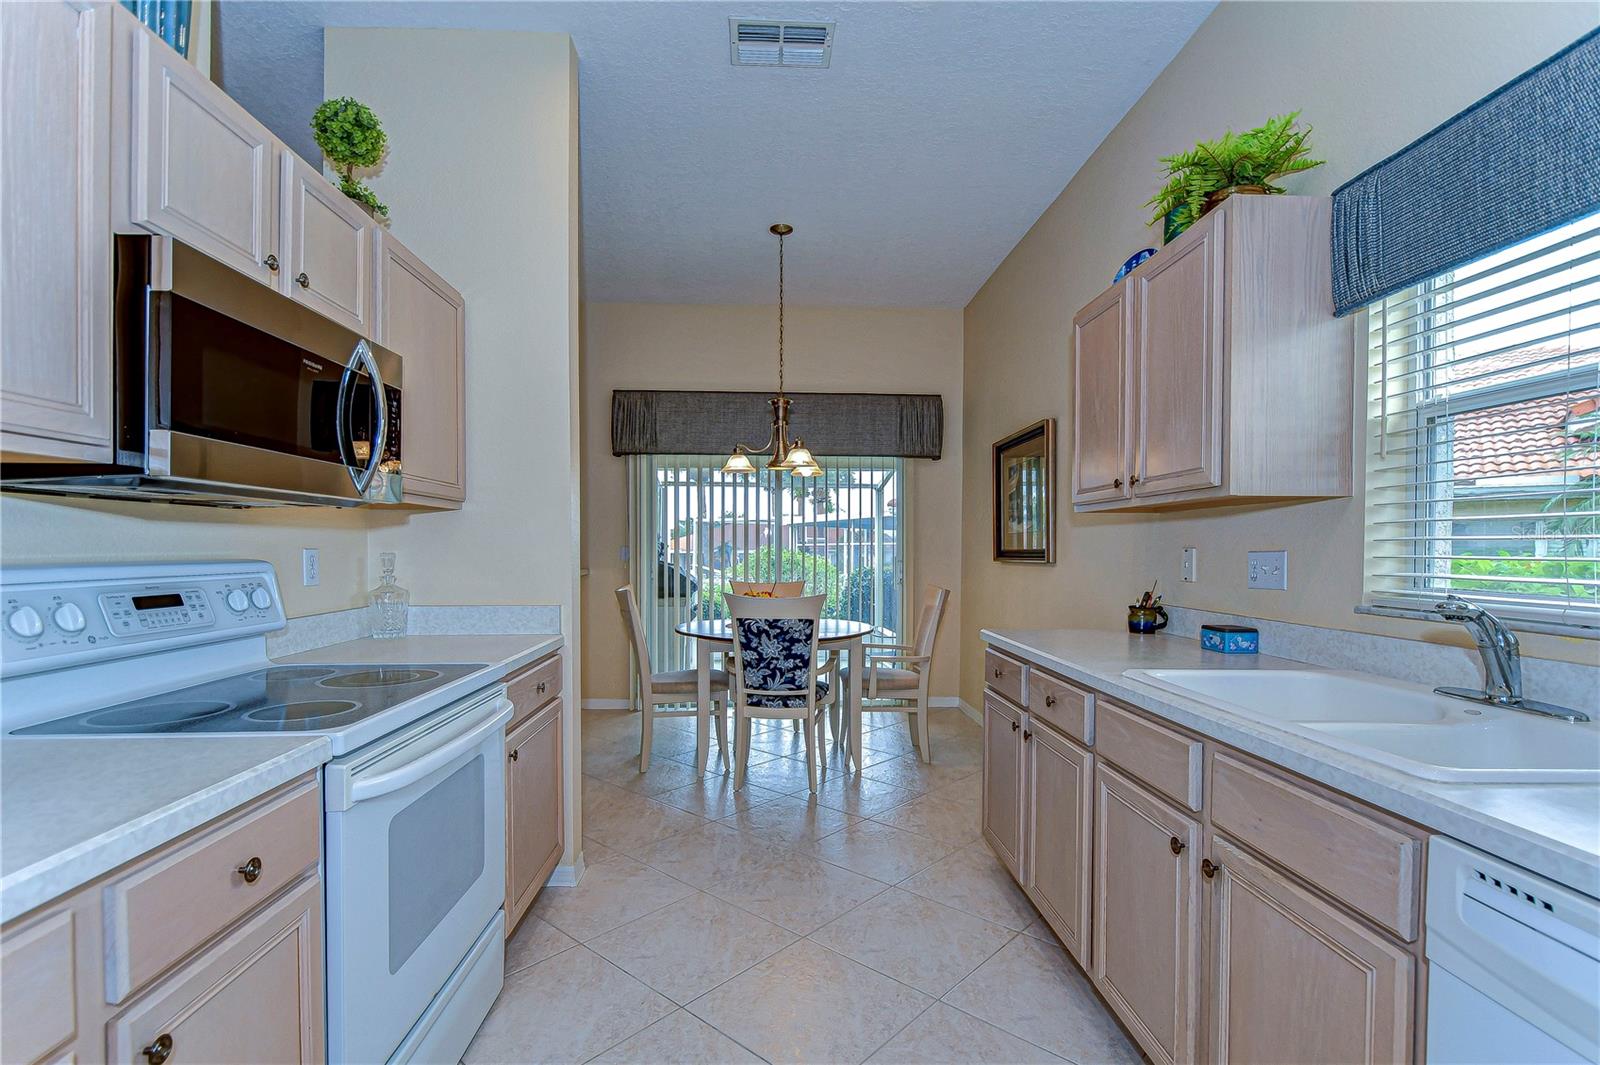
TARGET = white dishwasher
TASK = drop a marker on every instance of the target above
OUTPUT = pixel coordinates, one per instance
(1513, 964)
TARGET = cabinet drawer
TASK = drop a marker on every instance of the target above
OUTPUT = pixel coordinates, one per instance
(1066, 706)
(256, 995)
(167, 907)
(1004, 674)
(1370, 865)
(1164, 758)
(532, 688)
(37, 1009)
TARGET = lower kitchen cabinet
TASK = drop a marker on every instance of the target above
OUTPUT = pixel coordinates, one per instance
(1146, 914)
(1294, 979)
(255, 996)
(1058, 799)
(533, 808)
(1002, 781)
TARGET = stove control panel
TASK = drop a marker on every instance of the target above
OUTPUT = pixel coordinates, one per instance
(56, 616)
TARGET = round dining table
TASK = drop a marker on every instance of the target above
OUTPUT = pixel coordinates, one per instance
(715, 635)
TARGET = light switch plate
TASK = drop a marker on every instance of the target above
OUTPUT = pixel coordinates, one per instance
(1269, 570)
(1190, 565)
(310, 567)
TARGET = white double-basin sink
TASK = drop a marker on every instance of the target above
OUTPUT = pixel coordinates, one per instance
(1408, 727)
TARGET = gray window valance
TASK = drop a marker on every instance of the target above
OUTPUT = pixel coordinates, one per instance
(1520, 162)
(831, 423)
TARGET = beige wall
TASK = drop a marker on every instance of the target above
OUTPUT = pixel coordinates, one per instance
(481, 180)
(1370, 77)
(635, 345)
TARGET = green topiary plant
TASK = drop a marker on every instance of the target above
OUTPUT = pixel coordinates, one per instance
(350, 135)
(1249, 159)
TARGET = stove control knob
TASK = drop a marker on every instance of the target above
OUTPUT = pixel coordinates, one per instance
(238, 601)
(26, 622)
(69, 618)
(260, 598)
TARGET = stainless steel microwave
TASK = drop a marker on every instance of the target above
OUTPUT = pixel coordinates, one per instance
(229, 393)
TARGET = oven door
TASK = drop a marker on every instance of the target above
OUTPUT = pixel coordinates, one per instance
(415, 869)
(248, 387)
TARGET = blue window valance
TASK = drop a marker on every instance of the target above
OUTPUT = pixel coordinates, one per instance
(1521, 161)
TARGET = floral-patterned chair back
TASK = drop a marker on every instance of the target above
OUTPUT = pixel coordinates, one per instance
(776, 649)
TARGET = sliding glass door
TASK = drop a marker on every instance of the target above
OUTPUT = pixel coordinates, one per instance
(694, 530)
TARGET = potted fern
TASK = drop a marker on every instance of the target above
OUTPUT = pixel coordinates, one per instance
(1235, 163)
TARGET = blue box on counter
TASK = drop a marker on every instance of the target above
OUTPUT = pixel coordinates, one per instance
(1230, 639)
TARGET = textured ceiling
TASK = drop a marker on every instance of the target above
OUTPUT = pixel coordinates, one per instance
(909, 168)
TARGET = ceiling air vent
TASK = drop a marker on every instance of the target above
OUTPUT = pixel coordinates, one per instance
(756, 42)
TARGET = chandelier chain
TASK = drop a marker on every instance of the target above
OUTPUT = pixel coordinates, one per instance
(780, 314)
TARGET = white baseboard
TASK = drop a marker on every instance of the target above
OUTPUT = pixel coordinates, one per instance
(606, 704)
(567, 875)
(971, 711)
(943, 702)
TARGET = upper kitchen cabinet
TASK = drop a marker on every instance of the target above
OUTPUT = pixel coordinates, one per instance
(423, 320)
(326, 247)
(55, 294)
(1216, 373)
(200, 168)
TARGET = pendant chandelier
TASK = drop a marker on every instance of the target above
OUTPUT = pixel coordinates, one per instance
(787, 457)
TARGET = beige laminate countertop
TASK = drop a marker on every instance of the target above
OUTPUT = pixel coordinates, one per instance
(1552, 830)
(74, 808)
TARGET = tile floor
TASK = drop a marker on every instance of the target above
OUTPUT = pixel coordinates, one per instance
(869, 923)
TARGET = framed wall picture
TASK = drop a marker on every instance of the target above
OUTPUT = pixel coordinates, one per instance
(1025, 495)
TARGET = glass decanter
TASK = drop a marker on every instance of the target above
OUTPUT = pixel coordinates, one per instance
(388, 603)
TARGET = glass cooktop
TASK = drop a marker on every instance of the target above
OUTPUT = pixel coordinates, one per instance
(276, 699)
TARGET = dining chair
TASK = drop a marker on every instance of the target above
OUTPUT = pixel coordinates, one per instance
(672, 688)
(769, 589)
(899, 673)
(775, 671)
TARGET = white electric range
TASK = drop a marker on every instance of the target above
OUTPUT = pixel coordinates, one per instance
(414, 799)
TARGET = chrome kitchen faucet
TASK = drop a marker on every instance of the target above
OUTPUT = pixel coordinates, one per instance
(1502, 662)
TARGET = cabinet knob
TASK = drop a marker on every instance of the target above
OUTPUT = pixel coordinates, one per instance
(540, 687)
(1117, 483)
(513, 754)
(1209, 868)
(1134, 479)
(251, 870)
(271, 263)
(998, 673)
(1026, 736)
(1049, 700)
(1015, 725)
(158, 1051)
(302, 280)
(1176, 844)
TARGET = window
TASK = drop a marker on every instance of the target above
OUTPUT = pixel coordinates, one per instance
(694, 530)
(1483, 473)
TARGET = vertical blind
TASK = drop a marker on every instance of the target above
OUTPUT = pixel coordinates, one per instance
(1483, 471)
(693, 530)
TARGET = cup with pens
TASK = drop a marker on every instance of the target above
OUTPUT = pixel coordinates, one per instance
(1147, 615)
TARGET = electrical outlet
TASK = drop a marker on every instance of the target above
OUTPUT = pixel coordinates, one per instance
(1269, 570)
(1191, 563)
(310, 567)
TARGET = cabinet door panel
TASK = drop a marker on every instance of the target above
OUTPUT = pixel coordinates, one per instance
(55, 299)
(1059, 799)
(255, 996)
(533, 812)
(1178, 354)
(203, 168)
(1146, 915)
(423, 319)
(1002, 781)
(1100, 399)
(328, 245)
(1279, 952)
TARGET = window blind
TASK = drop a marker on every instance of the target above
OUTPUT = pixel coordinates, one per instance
(1483, 473)
(694, 529)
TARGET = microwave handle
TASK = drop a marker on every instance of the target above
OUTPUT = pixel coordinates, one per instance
(362, 359)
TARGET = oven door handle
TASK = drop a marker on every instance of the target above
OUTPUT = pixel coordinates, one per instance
(372, 787)
(362, 359)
